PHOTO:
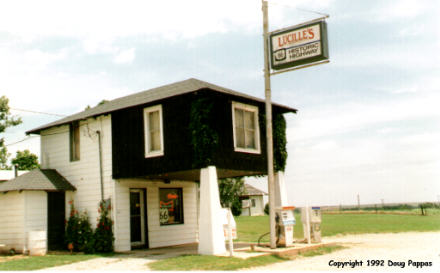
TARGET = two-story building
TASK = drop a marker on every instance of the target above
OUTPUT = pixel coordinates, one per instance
(157, 155)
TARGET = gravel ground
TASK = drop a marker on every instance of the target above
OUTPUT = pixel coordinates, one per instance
(396, 247)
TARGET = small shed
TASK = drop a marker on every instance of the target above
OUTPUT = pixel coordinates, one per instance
(34, 201)
(252, 201)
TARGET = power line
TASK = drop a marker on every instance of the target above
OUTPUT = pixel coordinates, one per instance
(37, 112)
(24, 139)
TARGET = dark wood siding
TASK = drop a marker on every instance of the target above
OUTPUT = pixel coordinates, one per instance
(128, 145)
(128, 138)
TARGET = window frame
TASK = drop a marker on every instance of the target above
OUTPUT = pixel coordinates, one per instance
(249, 108)
(147, 111)
(180, 190)
(74, 146)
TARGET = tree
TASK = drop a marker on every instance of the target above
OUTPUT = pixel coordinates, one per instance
(25, 160)
(100, 103)
(6, 120)
(230, 190)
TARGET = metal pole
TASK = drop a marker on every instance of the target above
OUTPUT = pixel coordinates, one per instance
(269, 141)
(100, 165)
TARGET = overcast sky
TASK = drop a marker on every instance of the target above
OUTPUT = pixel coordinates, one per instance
(368, 122)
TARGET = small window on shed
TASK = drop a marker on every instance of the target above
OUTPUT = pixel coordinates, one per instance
(153, 131)
(245, 127)
(74, 141)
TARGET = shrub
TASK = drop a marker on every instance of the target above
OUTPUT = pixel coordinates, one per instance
(236, 207)
(104, 229)
(266, 209)
(79, 232)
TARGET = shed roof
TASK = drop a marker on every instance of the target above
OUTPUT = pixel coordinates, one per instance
(45, 180)
(252, 191)
(155, 94)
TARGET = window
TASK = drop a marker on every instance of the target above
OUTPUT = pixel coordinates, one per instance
(153, 131)
(74, 141)
(253, 203)
(245, 127)
(170, 206)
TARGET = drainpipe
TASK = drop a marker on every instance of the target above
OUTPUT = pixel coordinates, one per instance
(101, 177)
(15, 170)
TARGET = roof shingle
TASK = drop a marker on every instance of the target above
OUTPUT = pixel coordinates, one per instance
(250, 190)
(45, 180)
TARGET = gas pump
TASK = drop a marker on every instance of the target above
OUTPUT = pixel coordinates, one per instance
(285, 221)
(311, 218)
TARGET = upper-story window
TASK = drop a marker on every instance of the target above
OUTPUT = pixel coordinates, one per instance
(245, 127)
(74, 137)
(153, 131)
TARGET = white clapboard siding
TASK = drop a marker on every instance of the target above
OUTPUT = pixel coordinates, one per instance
(259, 206)
(12, 221)
(84, 174)
(36, 210)
(158, 236)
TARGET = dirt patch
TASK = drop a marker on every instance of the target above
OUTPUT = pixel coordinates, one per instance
(393, 248)
(10, 258)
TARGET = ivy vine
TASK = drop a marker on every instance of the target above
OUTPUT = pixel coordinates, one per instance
(279, 142)
(204, 139)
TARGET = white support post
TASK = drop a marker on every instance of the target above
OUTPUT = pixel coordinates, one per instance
(280, 190)
(211, 235)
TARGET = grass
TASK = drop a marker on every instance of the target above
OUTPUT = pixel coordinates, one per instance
(202, 262)
(40, 262)
(250, 228)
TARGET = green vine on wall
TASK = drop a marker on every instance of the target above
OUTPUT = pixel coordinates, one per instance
(279, 142)
(204, 139)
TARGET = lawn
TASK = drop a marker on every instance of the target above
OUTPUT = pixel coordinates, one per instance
(250, 228)
(40, 262)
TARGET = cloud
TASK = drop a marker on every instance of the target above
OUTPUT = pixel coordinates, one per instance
(124, 57)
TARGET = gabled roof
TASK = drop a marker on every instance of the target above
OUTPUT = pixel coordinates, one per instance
(252, 191)
(44, 180)
(155, 94)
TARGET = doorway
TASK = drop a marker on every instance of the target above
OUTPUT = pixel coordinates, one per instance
(56, 213)
(138, 218)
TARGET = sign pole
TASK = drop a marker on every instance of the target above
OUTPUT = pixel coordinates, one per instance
(269, 137)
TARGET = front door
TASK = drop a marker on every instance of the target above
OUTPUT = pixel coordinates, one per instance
(138, 232)
(56, 213)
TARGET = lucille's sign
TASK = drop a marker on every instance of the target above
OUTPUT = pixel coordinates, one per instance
(299, 45)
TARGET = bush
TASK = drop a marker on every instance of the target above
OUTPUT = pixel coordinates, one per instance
(236, 207)
(266, 209)
(104, 229)
(79, 232)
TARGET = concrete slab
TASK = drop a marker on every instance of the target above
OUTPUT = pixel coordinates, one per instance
(288, 251)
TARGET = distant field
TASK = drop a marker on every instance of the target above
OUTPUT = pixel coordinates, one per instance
(250, 228)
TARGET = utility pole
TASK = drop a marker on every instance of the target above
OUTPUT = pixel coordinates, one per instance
(359, 202)
(269, 137)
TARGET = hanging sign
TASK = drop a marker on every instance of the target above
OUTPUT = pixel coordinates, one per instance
(299, 45)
